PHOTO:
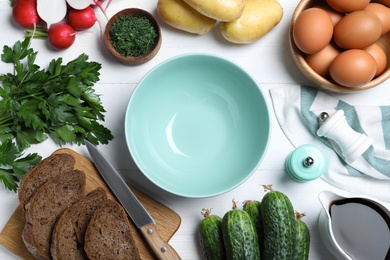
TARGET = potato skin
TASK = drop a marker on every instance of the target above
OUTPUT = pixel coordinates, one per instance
(181, 16)
(220, 10)
(258, 18)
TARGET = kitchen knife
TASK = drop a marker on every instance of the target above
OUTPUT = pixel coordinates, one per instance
(132, 205)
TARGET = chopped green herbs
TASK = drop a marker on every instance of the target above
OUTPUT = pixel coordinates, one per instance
(132, 35)
(36, 103)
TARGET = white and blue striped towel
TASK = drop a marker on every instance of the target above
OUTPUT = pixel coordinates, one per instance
(297, 109)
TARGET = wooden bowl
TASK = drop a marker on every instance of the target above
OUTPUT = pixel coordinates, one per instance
(133, 60)
(321, 82)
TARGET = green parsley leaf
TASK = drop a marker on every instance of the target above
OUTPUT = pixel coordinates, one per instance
(13, 166)
(36, 103)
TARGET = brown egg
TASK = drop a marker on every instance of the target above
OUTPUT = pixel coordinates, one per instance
(379, 55)
(347, 6)
(383, 12)
(313, 30)
(320, 61)
(334, 15)
(357, 30)
(353, 68)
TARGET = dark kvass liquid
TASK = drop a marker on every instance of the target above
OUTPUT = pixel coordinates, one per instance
(361, 228)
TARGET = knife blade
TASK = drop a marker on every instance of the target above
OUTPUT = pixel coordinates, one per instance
(132, 205)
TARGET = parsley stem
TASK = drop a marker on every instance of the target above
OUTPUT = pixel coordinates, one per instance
(5, 121)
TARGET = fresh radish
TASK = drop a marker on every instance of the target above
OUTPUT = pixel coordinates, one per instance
(82, 19)
(82, 4)
(25, 13)
(51, 11)
(61, 35)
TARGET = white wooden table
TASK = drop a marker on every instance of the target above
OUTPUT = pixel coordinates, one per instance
(268, 61)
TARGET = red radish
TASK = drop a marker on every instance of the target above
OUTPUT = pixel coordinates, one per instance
(25, 13)
(82, 19)
(61, 36)
(82, 4)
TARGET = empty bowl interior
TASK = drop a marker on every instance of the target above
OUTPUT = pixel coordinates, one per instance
(197, 125)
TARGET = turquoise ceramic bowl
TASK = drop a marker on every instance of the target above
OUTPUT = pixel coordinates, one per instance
(197, 125)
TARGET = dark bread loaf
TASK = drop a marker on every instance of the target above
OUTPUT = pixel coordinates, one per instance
(44, 207)
(48, 168)
(68, 234)
(108, 234)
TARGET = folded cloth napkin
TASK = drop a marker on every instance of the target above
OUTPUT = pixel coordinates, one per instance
(297, 109)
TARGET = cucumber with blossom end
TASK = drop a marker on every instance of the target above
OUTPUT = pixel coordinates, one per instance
(279, 225)
(302, 238)
(239, 235)
(210, 236)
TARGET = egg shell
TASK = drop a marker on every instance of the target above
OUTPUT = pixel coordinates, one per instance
(383, 13)
(313, 30)
(334, 15)
(320, 61)
(357, 30)
(347, 6)
(380, 57)
(353, 68)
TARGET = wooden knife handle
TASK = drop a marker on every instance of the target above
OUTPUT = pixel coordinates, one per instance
(161, 248)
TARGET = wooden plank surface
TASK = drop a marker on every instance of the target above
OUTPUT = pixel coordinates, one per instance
(166, 219)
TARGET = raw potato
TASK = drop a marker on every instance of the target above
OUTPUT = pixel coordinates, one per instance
(220, 10)
(180, 15)
(258, 18)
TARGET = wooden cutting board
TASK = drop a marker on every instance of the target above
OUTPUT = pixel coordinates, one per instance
(166, 219)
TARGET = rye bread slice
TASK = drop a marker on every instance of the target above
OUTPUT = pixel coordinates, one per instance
(44, 207)
(68, 234)
(50, 167)
(108, 234)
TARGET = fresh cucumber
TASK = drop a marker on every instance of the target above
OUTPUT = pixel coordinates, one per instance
(210, 236)
(253, 208)
(279, 225)
(239, 235)
(302, 238)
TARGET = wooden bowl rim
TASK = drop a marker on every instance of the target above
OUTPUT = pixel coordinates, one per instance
(133, 60)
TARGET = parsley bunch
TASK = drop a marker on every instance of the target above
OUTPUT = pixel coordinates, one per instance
(36, 103)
